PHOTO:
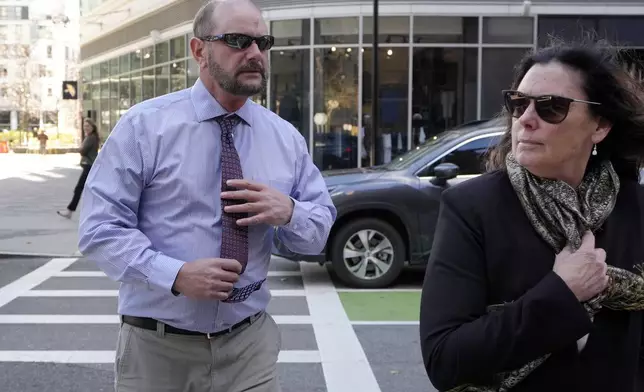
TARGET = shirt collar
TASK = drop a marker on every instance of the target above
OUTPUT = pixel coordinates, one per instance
(207, 107)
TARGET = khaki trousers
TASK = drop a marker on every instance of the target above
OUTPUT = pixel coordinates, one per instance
(244, 360)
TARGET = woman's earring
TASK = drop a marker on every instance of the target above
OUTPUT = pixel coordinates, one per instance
(595, 149)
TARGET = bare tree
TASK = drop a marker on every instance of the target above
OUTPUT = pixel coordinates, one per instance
(19, 88)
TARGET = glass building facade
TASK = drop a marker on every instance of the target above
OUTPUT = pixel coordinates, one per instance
(436, 72)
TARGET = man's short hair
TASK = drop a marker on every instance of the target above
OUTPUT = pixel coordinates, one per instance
(204, 22)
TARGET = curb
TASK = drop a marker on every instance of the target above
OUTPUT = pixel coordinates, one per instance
(25, 255)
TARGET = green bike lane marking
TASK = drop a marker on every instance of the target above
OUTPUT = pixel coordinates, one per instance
(381, 305)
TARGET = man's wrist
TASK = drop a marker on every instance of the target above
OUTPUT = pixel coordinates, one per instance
(290, 217)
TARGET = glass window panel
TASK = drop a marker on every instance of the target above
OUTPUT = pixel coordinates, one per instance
(291, 32)
(391, 29)
(290, 88)
(124, 94)
(147, 55)
(178, 48)
(498, 68)
(114, 88)
(336, 30)
(178, 76)
(105, 88)
(86, 74)
(162, 80)
(135, 60)
(114, 66)
(444, 90)
(162, 52)
(136, 86)
(193, 71)
(94, 90)
(114, 112)
(148, 84)
(391, 137)
(124, 63)
(104, 69)
(568, 28)
(508, 30)
(335, 100)
(446, 30)
(104, 119)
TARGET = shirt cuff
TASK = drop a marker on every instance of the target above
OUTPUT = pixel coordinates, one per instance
(164, 271)
(298, 218)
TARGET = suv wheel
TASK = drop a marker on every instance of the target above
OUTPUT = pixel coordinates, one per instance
(368, 253)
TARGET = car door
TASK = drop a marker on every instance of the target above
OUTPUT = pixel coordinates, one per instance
(468, 156)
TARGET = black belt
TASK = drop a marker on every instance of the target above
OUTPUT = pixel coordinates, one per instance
(151, 324)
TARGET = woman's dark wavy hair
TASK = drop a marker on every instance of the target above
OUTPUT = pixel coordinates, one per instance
(605, 80)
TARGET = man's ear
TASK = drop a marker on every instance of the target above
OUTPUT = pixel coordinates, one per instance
(197, 48)
(603, 127)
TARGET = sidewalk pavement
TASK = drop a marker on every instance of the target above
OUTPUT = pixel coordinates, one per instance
(32, 189)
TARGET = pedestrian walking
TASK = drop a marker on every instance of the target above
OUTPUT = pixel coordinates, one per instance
(182, 207)
(532, 285)
(88, 152)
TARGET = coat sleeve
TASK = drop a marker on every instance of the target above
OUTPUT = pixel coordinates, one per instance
(460, 342)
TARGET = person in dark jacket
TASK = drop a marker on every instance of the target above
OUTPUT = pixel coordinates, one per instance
(533, 284)
(88, 152)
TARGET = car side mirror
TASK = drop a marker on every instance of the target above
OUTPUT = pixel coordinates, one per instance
(444, 172)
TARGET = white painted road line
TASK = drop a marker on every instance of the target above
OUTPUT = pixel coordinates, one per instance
(115, 293)
(105, 319)
(378, 290)
(71, 293)
(22, 285)
(107, 356)
(100, 274)
(385, 323)
(344, 363)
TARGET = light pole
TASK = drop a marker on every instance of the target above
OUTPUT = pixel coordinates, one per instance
(375, 115)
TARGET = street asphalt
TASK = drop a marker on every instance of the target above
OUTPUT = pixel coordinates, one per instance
(58, 328)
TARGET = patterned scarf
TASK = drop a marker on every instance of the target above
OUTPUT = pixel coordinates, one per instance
(561, 215)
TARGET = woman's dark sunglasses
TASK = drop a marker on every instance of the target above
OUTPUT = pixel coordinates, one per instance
(242, 41)
(551, 108)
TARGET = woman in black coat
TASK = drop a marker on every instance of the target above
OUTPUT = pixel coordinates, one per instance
(88, 152)
(532, 282)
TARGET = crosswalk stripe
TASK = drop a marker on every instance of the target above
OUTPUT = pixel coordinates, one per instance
(115, 293)
(99, 274)
(107, 356)
(105, 319)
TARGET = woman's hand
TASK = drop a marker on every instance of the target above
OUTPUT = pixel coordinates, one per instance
(584, 271)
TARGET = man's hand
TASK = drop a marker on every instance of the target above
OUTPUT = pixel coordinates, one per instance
(208, 278)
(265, 205)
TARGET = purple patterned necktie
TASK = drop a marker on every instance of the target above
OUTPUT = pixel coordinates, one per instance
(234, 238)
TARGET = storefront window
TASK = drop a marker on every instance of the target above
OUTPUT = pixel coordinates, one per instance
(498, 68)
(335, 103)
(446, 30)
(290, 87)
(444, 90)
(391, 137)
(291, 32)
(336, 30)
(162, 80)
(508, 30)
(391, 29)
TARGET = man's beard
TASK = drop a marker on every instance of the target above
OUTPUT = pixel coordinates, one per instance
(230, 82)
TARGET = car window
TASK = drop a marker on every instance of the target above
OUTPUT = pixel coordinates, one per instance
(468, 157)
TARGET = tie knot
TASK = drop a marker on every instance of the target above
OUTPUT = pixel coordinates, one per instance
(228, 122)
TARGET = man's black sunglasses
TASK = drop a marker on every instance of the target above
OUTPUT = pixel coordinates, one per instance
(551, 108)
(242, 41)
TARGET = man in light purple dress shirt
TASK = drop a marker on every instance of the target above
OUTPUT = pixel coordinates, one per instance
(152, 217)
